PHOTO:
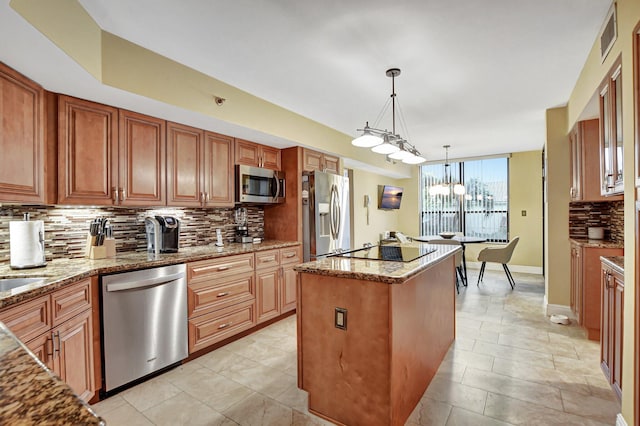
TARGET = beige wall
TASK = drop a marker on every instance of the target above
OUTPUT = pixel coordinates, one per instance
(558, 254)
(593, 72)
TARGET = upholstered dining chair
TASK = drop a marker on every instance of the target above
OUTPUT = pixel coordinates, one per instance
(498, 255)
(458, 261)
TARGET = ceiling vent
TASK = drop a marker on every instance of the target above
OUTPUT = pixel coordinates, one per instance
(608, 33)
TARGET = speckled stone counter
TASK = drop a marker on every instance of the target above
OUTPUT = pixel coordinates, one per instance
(584, 242)
(61, 272)
(377, 270)
(30, 394)
(614, 262)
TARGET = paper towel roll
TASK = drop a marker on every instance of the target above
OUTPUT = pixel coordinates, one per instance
(26, 249)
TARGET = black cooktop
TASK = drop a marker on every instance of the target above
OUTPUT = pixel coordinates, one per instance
(395, 253)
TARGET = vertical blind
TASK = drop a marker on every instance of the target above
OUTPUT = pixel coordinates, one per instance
(483, 210)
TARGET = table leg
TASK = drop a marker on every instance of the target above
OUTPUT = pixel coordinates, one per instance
(464, 266)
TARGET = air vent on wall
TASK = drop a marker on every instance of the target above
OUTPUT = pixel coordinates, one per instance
(608, 33)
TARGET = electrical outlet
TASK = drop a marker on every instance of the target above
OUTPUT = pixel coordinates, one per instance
(524, 212)
(341, 318)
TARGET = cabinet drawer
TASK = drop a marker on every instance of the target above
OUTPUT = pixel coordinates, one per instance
(291, 255)
(70, 301)
(208, 329)
(267, 259)
(218, 268)
(28, 320)
(212, 294)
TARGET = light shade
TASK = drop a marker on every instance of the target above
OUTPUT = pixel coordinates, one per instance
(386, 148)
(400, 155)
(459, 189)
(414, 159)
(367, 140)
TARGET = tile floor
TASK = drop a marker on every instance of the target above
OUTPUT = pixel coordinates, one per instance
(508, 366)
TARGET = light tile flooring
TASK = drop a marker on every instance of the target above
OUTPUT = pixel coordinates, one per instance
(508, 365)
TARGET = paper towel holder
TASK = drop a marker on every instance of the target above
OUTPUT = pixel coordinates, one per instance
(30, 252)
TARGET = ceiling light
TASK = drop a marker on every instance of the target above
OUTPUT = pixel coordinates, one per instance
(446, 186)
(389, 142)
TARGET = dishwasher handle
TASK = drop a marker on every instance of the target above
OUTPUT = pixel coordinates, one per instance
(149, 282)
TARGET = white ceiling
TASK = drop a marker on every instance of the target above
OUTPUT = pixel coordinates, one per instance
(475, 74)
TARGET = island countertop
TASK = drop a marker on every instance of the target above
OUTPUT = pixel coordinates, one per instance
(61, 272)
(390, 272)
(31, 393)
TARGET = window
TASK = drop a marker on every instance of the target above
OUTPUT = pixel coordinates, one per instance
(483, 210)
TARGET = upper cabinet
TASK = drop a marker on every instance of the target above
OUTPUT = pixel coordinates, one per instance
(585, 157)
(313, 160)
(100, 165)
(611, 143)
(199, 167)
(24, 141)
(254, 154)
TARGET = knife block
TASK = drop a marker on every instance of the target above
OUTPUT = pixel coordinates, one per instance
(107, 249)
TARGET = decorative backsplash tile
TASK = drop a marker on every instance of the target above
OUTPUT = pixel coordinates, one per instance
(609, 215)
(66, 228)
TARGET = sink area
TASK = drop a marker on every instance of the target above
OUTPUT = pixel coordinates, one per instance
(7, 284)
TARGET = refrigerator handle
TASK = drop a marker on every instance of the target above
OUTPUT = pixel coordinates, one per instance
(335, 212)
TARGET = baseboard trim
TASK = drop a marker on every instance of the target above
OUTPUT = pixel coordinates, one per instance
(553, 309)
(620, 421)
(513, 268)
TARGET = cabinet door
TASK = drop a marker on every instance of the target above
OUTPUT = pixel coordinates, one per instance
(42, 348)
(247, 153)
(87, 152)
(213, 327)
(21, 138)
(617, 331)
(267, 297)
(185, 158)
(605, 336)
(576, 163)
(576, 282)
(141, 159)
(73, 345)
(218, 170)
(331, 164)
(289, 289)
(311, 160)
(270, 157)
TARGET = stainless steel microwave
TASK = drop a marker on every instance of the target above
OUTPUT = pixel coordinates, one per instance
(258, 185)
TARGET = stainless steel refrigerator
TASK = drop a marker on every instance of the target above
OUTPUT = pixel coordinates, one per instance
(325, 214)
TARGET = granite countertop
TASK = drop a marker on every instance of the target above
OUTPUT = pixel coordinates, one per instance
(61, 272)
(389, 272)
(32, 394)
(614, 262)
(585, 242)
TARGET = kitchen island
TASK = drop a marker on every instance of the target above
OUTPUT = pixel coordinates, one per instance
(372, 333)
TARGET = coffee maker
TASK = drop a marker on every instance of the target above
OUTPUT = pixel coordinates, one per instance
(163, 234)
(242, 228)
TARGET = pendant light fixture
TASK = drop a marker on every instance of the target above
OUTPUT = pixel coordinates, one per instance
(446, 187)
(389, 142)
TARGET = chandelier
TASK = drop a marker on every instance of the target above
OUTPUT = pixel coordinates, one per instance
(446, 186)
(389, 142)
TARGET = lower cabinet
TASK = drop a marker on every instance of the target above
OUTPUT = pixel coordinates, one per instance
(276, 285)
(612, 330)
(58, 329)
(585, 285)
(221, 299)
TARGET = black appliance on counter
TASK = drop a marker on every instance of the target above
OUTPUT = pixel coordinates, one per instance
(163, 234)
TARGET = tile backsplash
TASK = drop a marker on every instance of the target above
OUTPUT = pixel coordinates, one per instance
(609, 215)
(66, 228)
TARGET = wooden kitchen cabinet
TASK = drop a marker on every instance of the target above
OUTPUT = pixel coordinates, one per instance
(58, 328)
(200, 168)
(612, 326)
(27, 163)
(220, 299)
(611, 135)
(314, 160)
(257, 155)
(585, 158)
(100, 164)
(276, 282)
(585, 285)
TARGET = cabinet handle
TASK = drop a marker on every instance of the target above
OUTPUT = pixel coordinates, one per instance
(290, 255)
(202, 198)
(53, 337)
(115, 194)
(123, 195)
(206, 197)
(50, 354)
(224, 325)
(225, 293)
(268, 259)
(222, 268)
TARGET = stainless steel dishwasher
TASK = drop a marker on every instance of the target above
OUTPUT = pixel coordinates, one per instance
(144, 322)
